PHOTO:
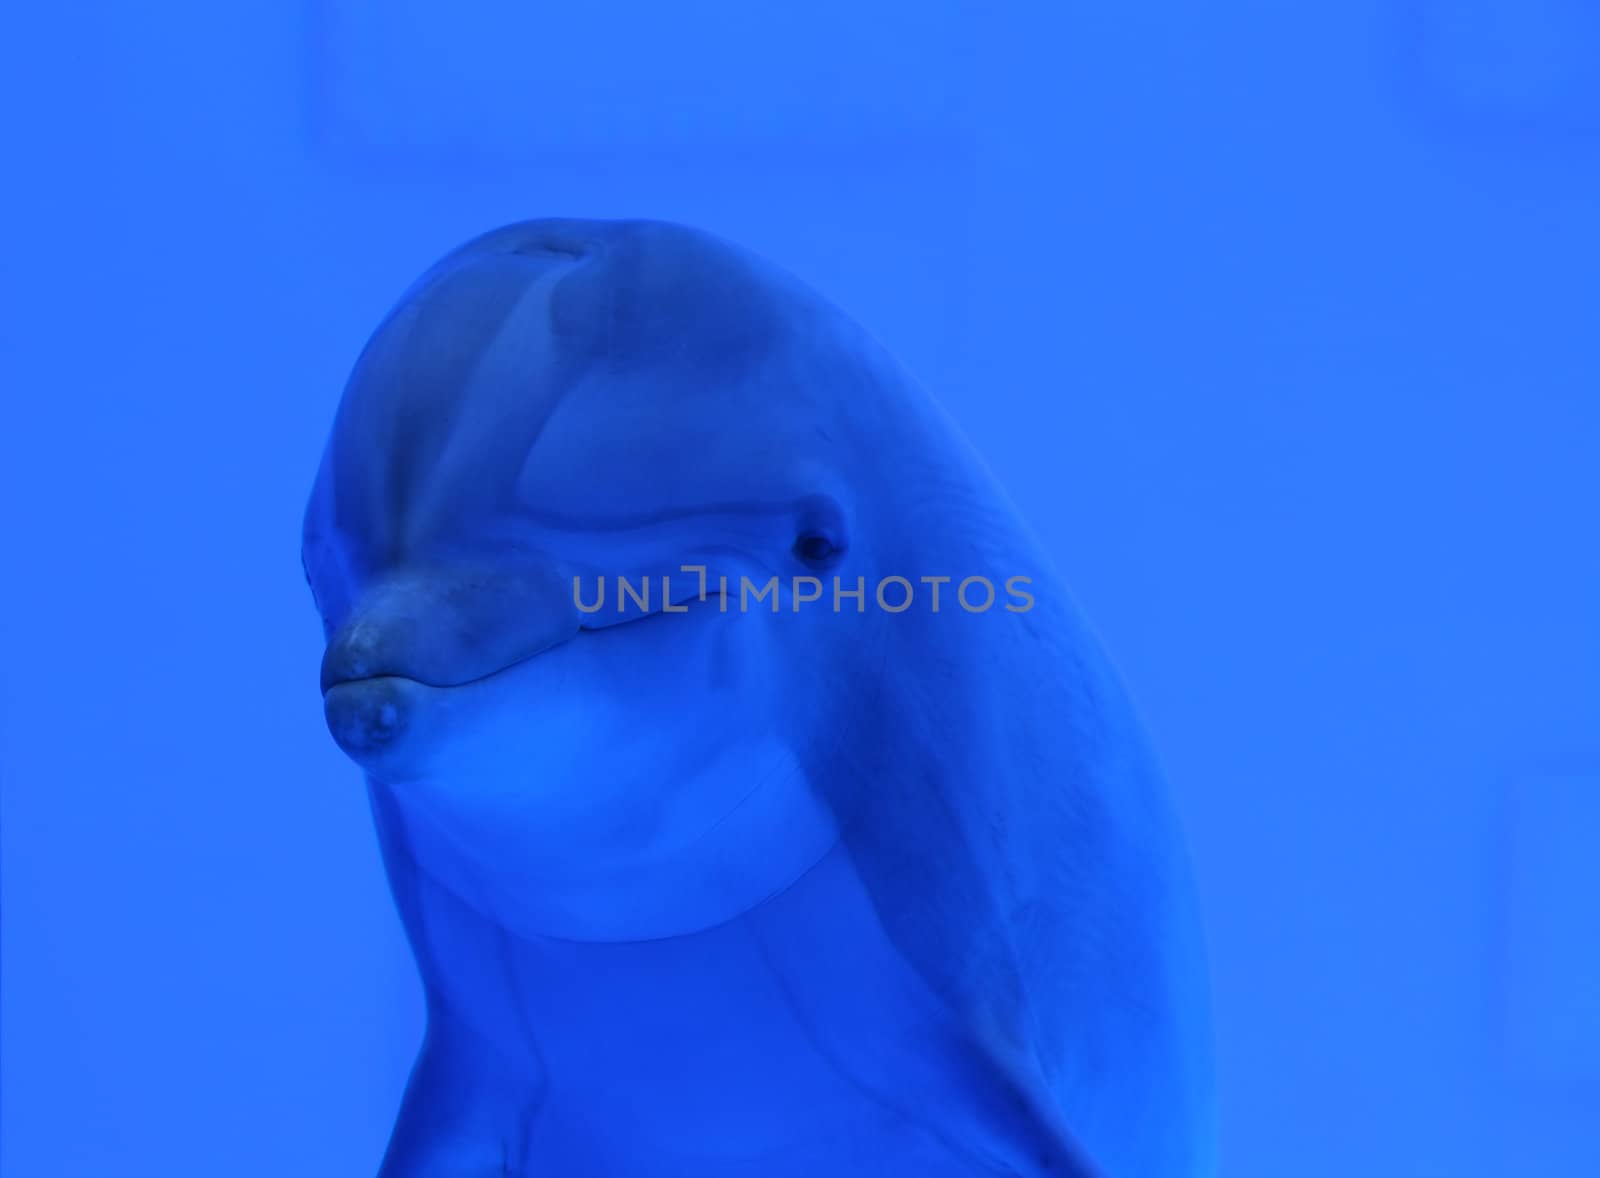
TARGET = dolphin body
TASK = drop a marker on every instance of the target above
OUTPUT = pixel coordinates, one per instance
(704, 887)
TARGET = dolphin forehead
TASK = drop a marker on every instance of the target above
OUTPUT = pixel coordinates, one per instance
(578, 368)
(446, 398)
(633, 295)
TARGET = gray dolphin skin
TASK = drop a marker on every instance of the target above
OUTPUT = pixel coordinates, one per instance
(838, 850)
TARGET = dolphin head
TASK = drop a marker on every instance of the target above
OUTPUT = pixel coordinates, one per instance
(554, 541)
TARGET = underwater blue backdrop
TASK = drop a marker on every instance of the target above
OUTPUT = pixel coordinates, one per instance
(1278, 322)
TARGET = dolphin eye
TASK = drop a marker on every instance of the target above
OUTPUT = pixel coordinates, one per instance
(815, 548)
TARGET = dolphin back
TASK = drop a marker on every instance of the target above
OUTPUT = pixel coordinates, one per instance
(1003, 808)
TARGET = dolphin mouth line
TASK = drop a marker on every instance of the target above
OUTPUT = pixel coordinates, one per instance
(597, 621)
(432, 684)
(403, 677)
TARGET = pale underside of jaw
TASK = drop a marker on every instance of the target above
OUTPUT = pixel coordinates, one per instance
(739, 831)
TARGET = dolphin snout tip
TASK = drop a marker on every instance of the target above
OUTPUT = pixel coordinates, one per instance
(367, 717)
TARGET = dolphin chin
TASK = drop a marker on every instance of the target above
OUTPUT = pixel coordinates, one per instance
(375, 719)
(390, 723)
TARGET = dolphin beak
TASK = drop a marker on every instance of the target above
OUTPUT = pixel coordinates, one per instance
(368, 717)
(417, 634)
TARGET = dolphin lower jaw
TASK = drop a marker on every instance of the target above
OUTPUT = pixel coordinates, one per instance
(375, 708)
(369, 717)
(388, 707)
(381, 718)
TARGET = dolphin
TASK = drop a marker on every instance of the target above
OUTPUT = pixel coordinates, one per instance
(753, 797)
